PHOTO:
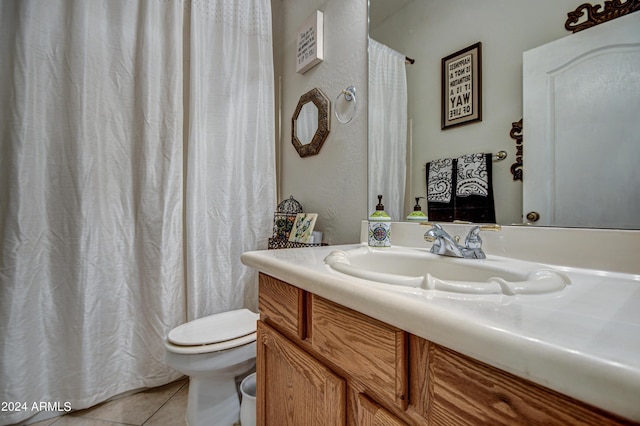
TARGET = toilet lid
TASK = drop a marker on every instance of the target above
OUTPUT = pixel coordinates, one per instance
(215, 328)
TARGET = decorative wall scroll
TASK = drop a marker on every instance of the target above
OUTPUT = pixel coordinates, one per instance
(310, 43)
(612, 9)
(462, 87)
(516, 133)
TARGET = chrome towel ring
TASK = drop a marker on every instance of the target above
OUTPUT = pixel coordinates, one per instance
(349, 95)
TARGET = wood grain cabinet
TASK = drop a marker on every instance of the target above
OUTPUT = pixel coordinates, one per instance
(365, 349)
(320, 363)
(369, 413)
(299, 390)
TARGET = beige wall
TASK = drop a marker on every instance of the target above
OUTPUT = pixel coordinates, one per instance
(428, 30)
(334, 182)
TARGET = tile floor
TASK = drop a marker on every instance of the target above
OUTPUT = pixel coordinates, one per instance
(161, 406)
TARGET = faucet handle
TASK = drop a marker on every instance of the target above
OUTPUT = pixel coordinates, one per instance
(474, 233)
(473, 242)
(429, 236)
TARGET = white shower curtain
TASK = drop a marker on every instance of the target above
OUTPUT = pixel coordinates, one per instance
(231, 158)
(387, 128)
(136, 164)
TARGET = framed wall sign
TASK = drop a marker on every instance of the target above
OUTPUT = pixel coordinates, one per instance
(310, 49)
(462, 87)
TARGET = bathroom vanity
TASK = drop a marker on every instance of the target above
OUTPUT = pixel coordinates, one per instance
(337, 349)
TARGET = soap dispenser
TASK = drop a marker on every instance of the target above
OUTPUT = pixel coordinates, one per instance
(417, 215)
(379, 227)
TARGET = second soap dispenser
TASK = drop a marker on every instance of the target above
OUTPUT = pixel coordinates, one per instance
(417, 215)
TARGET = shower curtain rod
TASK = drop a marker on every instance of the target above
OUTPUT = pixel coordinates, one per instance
(408, 60)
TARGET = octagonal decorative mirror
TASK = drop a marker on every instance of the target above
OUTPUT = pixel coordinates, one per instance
(310, 123)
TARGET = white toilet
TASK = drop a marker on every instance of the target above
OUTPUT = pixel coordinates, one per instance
(213, 351)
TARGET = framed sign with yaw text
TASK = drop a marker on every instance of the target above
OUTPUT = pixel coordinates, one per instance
(462, 87)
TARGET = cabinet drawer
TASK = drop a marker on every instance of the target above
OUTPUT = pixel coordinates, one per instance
(466, 392)
(368, 350)
(282, 306)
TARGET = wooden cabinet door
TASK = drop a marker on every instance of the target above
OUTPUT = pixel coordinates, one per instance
(371, 414)
(293, 388)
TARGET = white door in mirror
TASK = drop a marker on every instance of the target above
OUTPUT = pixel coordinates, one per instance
(582, 133)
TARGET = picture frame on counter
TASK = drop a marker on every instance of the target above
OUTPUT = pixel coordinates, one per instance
(302, 231)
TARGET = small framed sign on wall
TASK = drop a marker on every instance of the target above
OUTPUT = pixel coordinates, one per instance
(310, 43)
(462, 87)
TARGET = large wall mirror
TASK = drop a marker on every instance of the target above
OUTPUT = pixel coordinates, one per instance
(429, 30)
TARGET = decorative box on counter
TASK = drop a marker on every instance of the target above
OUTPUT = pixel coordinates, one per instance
(292, 227)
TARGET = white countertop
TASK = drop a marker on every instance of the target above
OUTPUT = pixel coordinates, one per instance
(583, 341)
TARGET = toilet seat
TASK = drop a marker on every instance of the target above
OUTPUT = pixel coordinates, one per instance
(214, 333)
(215, 347)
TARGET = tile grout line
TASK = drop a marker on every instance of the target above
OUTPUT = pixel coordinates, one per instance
(165, 403)
(121, 423)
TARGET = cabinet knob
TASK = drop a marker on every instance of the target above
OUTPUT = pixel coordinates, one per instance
(533, 216)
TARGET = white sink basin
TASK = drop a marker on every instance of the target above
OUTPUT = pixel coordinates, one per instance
(418, 268)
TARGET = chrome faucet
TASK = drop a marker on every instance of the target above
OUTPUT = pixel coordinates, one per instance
(446, 245)
(443, 243)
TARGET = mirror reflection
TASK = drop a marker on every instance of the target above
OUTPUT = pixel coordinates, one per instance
(560, 81)
(307, 123)
(429, 30)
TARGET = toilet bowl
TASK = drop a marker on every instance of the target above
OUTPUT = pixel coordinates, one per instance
(213, 351)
